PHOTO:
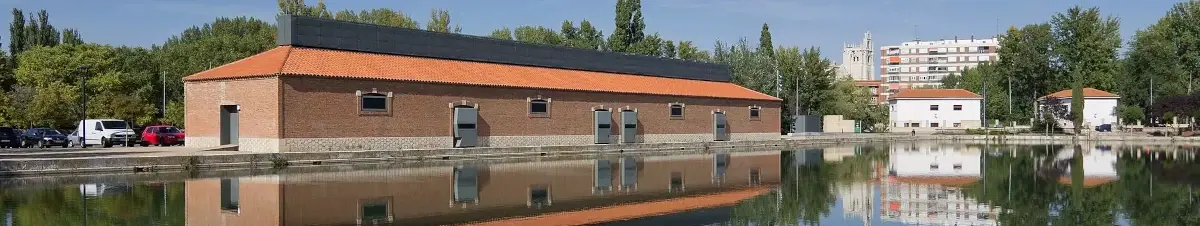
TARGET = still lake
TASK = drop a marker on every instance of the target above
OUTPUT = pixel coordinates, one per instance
(918, 183)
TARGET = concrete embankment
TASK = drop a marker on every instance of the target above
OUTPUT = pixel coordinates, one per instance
(224, 160)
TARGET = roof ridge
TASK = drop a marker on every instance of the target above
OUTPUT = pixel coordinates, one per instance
(286, 57)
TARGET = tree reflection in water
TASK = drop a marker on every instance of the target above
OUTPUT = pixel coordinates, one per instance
(1026, 183)
(97, 204)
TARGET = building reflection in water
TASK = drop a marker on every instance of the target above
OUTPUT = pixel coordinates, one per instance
(925, 186)
(469, 193)
(926, 181)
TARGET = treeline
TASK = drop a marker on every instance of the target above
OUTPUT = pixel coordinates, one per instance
(42, 75)
(1079, 48)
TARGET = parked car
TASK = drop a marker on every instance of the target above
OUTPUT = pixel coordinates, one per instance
(9, 137)
(105, 132)
(1104, 128)
(43, 138)
(162, 136)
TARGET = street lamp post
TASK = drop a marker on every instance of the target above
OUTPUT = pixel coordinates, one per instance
(83, 113)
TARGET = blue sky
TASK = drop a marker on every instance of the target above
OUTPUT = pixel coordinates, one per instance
(823, 23)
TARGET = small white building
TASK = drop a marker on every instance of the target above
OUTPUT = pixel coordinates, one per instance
(932, 109)
(1099, 106)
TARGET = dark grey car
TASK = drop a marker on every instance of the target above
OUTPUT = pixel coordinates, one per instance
(43, 138)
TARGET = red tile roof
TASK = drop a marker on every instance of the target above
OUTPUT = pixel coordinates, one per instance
(632, 211)
(1087, 92)
(935, 94)
(288, 60)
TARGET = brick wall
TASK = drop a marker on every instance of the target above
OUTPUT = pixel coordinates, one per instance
(258, 118)
(328, 108)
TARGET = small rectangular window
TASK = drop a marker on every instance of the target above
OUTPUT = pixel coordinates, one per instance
(374, 102)
(604, 126)
(754, 112)
(466, 126)
(956, 125)
(958, 107)
(933, 107)
(375, 211)
(676, 182)
(933, 124)
(676, 111)
(539, 108)
(539, 196)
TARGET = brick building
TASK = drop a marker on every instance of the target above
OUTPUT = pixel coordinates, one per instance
(450, 195)
(335, 86)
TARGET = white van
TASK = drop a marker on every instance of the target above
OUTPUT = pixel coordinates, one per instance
(104, 132)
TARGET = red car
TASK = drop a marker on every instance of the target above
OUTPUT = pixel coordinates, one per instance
(162, 136)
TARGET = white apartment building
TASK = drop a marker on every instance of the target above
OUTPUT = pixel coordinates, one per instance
(927, 110)
(925, 63)
(925, 182)
(1099, 106)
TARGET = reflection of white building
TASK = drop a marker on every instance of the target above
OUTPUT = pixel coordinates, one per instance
(858, 200)
(924, 186)
(1099, 166)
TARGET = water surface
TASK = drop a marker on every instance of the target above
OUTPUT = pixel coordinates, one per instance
(921, 183)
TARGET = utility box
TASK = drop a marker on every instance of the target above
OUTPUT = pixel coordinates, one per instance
(602, 122)
(720, 127)
(466, 128)
(629, 126)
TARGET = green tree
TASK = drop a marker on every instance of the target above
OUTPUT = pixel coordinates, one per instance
(16, 35)
(502, 33)
(206, 46)
(1184, 21)
(1152, 60)
(439, 21)
(1025, 66)
(629, 29)
(688, 51)
(71, 37)
(764, 41)
(591, 38)
(668, 49)
(1086, 49)
(299, 8)
(387, 17)
(538, 35)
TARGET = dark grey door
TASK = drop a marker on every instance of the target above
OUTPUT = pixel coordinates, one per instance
(229, 124)
(603, 175)
(629, 126)
(720, 165)
(629, 173)
(603, 125)
(720, 127)
(466, 184)
(466, 131)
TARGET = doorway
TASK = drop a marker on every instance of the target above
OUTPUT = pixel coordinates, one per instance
(229, 124)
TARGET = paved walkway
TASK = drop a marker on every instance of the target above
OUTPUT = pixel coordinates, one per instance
(56, 153)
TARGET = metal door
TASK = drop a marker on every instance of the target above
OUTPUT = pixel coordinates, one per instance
(629, 126)
(720, 127)
(603, 175)
(603, 125)
(629, 173)
(466, 184)
(466, 129)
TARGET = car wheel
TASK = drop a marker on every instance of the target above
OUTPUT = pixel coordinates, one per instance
(104, 142)
(63, 146)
